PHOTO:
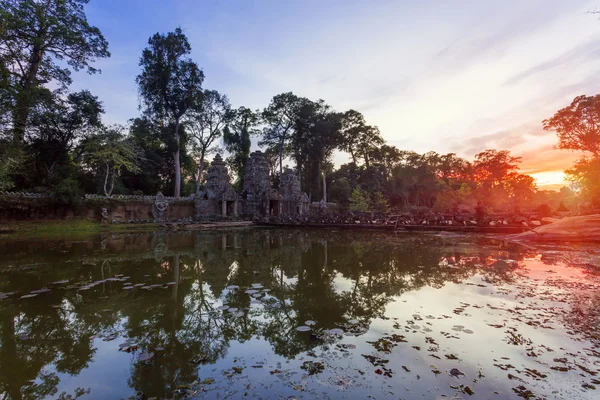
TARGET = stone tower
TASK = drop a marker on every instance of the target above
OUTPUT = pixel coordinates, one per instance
(257, 185)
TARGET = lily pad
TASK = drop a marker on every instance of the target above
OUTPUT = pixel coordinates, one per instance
(28, 296)
(42, 290)
(146, 356)
(310, 322)
(303, 328)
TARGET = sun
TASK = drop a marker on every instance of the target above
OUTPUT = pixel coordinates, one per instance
(549, 179)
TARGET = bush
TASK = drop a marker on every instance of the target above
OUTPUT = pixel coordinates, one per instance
(359, 201)
(68, 191)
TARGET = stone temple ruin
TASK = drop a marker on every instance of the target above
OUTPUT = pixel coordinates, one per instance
(218, 198)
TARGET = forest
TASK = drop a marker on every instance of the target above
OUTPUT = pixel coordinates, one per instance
(53, 140)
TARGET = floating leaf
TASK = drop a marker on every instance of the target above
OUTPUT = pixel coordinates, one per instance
(42, 290)
(310, 322)
(146, 356)
(28, 296)
(303, 328)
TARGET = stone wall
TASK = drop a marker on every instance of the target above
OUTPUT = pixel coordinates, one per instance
(18, 208)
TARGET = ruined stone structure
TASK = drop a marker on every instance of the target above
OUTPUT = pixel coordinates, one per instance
(293, 200)
(218, 196)
(257, 198)
(256, 193)
(160, 207)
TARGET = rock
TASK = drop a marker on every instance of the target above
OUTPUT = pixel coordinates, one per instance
(585, 228)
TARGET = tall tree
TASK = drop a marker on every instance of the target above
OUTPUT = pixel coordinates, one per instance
(492, 167)
(109, 153)
(205, 124)
(169, 85)
(41, 41)
(236, 137)
(578, 125)
(280, 117)
(58, 124)
(324, 138)
(353, 123)
(358, 138)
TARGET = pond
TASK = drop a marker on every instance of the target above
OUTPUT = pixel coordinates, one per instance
(260, 313)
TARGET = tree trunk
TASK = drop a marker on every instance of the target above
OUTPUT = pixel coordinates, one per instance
(324, 186)
(106, 181)
(200, 170)
(177, 191)
(281, 159)
(112, 183)
(23, 103)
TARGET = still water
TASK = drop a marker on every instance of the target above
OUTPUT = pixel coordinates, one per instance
(297, 314)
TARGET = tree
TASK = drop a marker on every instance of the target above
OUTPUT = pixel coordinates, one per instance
(37, 39)
(491, 167)
(57, 124)
(324, 138)
(236, 137)
(205, 123)
(359, 200)
(358, 138)
(585, 174)
(379, 203)
(578, 125)
(169, 85)
(280, 118)
(109, 154)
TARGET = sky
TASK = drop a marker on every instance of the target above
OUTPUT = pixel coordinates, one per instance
(434, 75)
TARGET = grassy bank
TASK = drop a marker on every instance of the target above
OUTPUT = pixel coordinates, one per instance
(70, 229)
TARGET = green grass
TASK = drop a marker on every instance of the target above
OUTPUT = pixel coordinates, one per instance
(72, 228)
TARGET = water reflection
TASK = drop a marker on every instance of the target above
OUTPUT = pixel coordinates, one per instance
(180, 280)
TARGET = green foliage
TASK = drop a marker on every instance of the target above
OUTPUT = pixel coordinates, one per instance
(205, 124)
(68, 191)
(340, 191)
(577, 125)
(41, 41)
(359, 201)
(585, 174)
(236, 137)
(169, 85)
(379, 203)
(109, 154)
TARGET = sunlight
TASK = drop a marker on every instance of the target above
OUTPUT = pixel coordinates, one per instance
(548, 178)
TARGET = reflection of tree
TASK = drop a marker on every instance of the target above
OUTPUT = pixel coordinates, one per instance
(329, 277)
(31, 340)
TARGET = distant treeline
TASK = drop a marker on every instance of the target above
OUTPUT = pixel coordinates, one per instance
(55, 141)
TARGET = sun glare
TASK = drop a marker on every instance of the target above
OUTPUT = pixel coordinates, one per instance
(549, 178)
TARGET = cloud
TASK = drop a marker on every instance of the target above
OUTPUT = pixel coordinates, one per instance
(583, 53)
(501, 140)
(547, 158)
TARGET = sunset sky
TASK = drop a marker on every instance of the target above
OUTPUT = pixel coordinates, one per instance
(449, 76)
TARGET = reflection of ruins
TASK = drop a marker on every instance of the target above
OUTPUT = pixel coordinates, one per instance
(183, 319)
(218, 198)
